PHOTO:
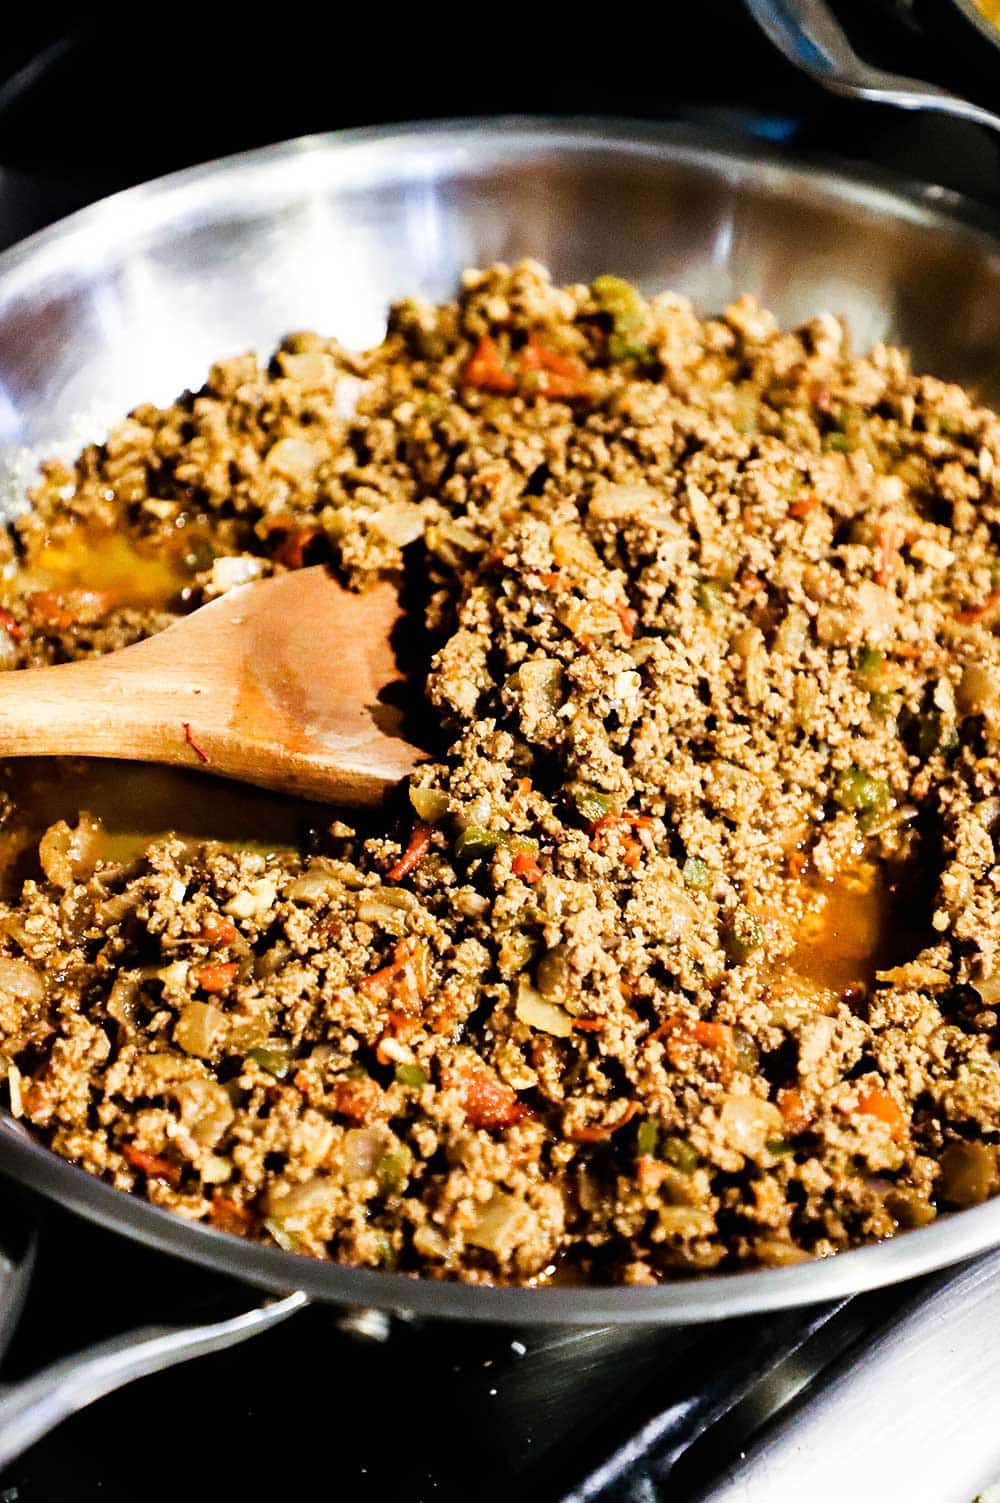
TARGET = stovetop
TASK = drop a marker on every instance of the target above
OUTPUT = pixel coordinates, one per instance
(357, 1406)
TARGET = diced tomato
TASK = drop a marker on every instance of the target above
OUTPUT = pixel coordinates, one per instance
(10, 626)
(219, 931)
(420, 844)
(977, 612)
(357, 1099)
(565, 377)
(215, 977)
(291, 549)
(151, 1165)
(486, 371)
(56, 610)
(227, 1216)
(526, 867)
(488, 1102)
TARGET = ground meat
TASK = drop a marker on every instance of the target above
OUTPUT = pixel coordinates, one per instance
(682, 951)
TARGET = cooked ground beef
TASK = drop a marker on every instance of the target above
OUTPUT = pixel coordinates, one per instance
(683, 950)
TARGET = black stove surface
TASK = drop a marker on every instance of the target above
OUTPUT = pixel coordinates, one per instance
(425, 1414)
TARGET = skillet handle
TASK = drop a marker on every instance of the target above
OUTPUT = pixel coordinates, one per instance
(30, 1409)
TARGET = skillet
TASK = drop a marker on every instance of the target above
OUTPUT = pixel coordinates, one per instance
(133, 298)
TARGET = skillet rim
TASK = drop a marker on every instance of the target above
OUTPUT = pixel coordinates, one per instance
(948, 1240)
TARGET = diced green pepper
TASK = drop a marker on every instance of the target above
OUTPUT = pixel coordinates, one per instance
(884, 703)
(591, 804)
(411, 1075)
(647, 1137)
(742, 935)
(778, 1148)
(393, 1169)
(864, 794)
(275, 1058)
(430, 803)
(475, 841)
(521, 845)
(678, 1152)
(711, 596)
(870, 660)
(627, 310)
(696, 874)
(839, 443)
(936, 733)
(356, 1072)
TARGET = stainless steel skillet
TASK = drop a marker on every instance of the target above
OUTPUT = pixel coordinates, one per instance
(133, 298)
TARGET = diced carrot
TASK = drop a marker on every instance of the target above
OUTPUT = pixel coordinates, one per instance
(875, 1102)
(227, 1216)
(793, 1109)
(631, 848)
(403, 979)
(628, 618)
(889, 538)
(803, 506)
(219, 931)
(589, 1025)
(526, 867)
(565, 377)
(215, 977)
(485, 369)
(679, 1034)
(977, 612)
(597, 1132)
(553, 580)
(420, 844)
(400, 1026)
(10, 626)
(631, 853)
(151, 1165)
(819, 394)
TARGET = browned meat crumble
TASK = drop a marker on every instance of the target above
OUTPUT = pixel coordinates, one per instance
(682, 953)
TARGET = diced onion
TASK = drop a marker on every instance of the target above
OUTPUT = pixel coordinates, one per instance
(20, 980)
(294, 458)
(399, 522)
(503, 1223)
(532, 1008)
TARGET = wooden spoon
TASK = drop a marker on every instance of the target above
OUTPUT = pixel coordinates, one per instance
(276, 683)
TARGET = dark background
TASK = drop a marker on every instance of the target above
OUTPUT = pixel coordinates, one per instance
(95, 102)
(90, 103)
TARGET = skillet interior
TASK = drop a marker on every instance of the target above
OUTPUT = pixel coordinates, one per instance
(134, 298)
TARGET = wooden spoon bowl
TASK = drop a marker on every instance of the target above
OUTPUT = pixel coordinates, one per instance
(278, 683)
